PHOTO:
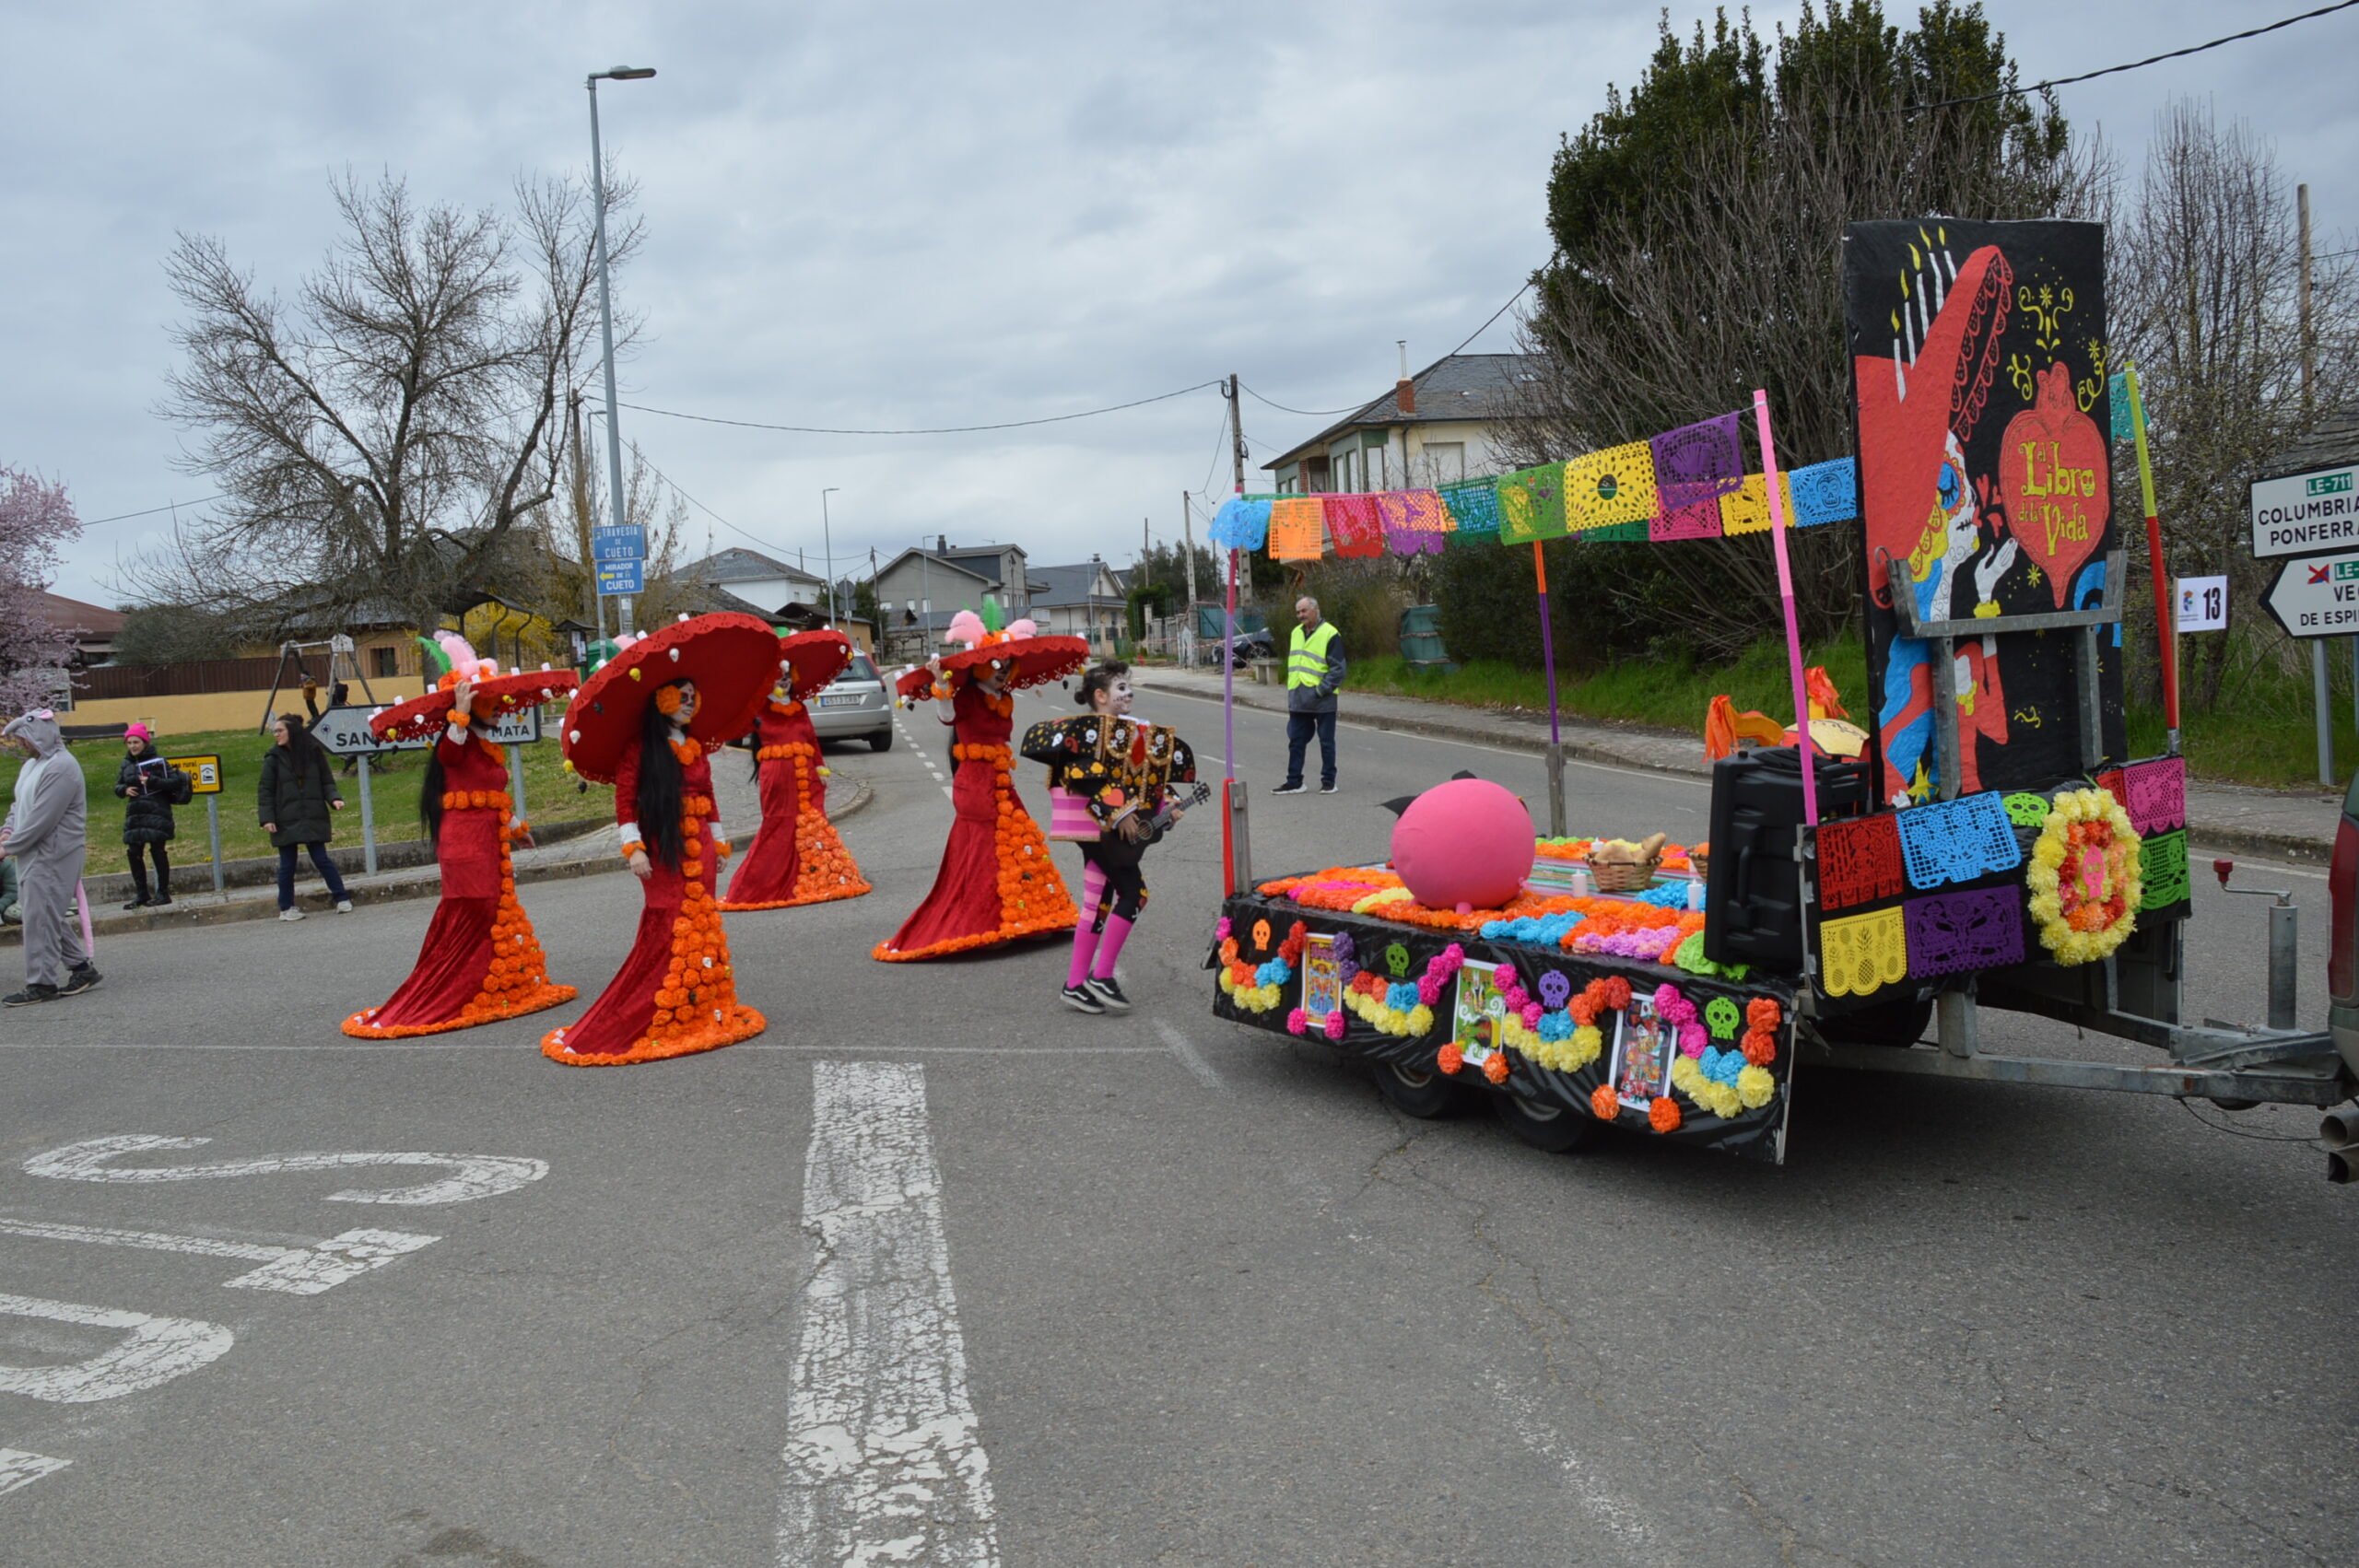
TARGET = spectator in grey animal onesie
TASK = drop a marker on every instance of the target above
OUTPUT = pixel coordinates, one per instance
(44, 835)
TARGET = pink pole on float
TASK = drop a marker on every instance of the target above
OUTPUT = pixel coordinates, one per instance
(1786, 595)
(1228, 736)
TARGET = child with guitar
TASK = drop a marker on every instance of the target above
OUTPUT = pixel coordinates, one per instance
(1110, 788)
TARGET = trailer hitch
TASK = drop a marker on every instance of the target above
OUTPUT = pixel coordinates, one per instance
(2284, 940)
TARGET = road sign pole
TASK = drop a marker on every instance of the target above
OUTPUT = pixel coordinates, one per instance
(2325, 713)
(213, 825)
(368, 821)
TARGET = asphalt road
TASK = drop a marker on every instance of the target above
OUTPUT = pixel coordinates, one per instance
(938, 1272)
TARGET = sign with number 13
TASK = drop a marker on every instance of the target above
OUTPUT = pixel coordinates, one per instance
(2202, 604)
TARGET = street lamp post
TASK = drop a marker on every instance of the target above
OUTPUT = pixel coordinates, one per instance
(607, 318)
(827, 543)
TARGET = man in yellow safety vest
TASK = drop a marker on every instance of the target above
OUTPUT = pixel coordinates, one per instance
(1314, 674)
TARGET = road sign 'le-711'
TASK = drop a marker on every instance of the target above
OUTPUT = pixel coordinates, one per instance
(2316, 596)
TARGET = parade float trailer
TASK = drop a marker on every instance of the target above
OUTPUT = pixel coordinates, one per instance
(1993, 847)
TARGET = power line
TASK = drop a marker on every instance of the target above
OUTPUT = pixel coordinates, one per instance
(2110, 70)
(1306, 413)
(937, 431)
(151, 511)
(1478, 331)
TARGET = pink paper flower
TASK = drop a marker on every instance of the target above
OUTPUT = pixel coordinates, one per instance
(1297, 1023)
(1335, 1024)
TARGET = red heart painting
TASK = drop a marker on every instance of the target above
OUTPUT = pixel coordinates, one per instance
(2053, 472)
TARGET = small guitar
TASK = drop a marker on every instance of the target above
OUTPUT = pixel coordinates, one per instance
(1173, 809)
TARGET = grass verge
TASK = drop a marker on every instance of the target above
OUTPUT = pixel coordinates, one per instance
(550, 795)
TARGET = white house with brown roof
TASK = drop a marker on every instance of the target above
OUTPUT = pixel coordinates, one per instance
(1439, 425)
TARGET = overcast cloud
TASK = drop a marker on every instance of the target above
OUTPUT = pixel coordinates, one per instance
(901, 215)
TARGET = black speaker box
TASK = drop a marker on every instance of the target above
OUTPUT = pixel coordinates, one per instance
(1752, 895)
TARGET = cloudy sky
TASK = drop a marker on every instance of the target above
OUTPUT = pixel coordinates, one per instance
(902, 214)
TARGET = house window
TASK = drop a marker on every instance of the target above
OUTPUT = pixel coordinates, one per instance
(1445, 461)
(384, 662)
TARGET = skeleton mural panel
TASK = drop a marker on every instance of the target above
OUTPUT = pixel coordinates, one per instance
(1978, 373)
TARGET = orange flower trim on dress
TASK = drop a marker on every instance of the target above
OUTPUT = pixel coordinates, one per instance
(1032, 898)
(824, 868)
(518, 981)
(695, 1004)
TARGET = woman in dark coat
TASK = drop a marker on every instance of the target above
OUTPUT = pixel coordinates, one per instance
(297, 792)
(149, 791)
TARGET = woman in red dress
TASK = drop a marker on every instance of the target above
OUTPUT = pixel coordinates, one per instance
(480, 962)
(676, 992)
(796, 858)
(996, 883)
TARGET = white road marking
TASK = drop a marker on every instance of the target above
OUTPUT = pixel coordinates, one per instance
(152, 1351)
(1609, 1510)
(1189, 1057)
(20, 1468)
(473, 1176)
(295, 1271)
(883, 1461)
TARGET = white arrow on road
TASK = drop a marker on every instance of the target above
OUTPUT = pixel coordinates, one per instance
(474, 1176)
(294, 1270)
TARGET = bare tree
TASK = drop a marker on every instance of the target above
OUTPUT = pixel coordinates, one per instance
(381, 438)
(564, 577)
(2206, 287)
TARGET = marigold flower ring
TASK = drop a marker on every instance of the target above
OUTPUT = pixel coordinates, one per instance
(2086, 878)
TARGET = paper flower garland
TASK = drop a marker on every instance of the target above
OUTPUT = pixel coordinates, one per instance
(1403, 1008)
(1260, 987)
(2085, 877)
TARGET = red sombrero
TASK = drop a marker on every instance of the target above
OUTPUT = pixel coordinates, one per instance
(495, 697)
(734, 659)
(814, 659)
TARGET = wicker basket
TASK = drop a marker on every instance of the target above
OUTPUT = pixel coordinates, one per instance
(1627, 870)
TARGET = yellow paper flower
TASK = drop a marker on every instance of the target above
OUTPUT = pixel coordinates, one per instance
(1755, 1087)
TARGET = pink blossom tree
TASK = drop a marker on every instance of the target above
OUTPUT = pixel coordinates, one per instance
(35, 518)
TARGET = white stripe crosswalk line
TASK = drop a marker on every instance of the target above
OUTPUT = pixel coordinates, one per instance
(884, 1464)
(20, 1468)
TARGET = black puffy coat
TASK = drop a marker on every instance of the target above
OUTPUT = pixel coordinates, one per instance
(295, 790)
(148, 816)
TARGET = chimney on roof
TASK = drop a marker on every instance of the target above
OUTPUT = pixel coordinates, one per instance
(942, 543)
(1404, 390)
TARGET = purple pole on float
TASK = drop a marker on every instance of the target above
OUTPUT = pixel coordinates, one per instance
(1228, 735)
(1547, 639)
(1786, 595)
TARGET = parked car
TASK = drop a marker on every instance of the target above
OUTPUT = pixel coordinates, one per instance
(855, 706)
(2342, 949)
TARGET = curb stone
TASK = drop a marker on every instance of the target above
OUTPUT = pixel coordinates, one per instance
(1658, 751)
(388, 888)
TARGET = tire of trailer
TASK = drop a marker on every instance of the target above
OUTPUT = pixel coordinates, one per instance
(1553, 1129)
(1889, 1024)
(1427, 1094)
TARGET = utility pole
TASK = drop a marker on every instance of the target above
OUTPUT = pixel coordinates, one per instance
(2309, 348)
(1188, 566)
(1237, 433)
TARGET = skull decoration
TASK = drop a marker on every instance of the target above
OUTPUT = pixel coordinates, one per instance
(1554, 991)
(1396, 958)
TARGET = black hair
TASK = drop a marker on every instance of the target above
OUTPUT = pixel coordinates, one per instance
(659, 786)
(1100, 677)
(303, 747)
(429, 788)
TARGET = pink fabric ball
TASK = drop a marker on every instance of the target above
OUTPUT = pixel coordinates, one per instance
(1469, 841)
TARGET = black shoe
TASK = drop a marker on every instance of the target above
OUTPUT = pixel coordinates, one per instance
(34, 991)
(1326, 789)
(1081, 999)
(137, 902)
(160, 901)
(1288, 789)
(1110, 991)
(79, 980)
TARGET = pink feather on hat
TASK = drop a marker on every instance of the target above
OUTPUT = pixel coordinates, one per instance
(1025, 627)
(967, 627)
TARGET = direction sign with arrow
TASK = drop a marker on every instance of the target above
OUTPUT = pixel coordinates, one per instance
(346, 733)
(2316, 595)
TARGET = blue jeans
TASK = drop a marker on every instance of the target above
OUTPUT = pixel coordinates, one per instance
(1299, 729)
(319, 853)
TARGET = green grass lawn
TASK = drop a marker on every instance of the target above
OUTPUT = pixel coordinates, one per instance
(2265, 738)
(550, 794)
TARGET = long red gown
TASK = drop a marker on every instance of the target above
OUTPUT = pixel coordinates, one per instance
(796, 858)
(676, 992)
(996, 883)
(480, 961)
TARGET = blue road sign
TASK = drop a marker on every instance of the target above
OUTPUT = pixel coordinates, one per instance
(618, 544)
(622, 576)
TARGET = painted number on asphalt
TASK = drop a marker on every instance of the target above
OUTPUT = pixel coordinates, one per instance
(473, 1176)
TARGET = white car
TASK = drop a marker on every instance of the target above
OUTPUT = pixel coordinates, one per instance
(855, 706)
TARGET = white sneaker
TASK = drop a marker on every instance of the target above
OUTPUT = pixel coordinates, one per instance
(290, 914)
(344, 906)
